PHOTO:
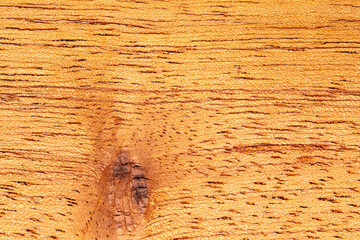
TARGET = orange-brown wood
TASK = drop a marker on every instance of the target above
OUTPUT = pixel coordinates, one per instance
(244, 115)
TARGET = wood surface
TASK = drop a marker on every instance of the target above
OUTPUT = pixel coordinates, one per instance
(245, 116)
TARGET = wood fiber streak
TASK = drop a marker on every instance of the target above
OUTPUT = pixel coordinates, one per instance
(241, 118)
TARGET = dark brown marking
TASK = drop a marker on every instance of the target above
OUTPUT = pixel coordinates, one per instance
(128, 192)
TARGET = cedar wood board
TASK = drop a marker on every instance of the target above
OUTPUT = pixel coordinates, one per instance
(244, 115)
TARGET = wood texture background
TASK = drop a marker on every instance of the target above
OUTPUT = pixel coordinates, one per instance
(245, 115)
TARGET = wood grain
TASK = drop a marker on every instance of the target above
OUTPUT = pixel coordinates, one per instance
(244, 114)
